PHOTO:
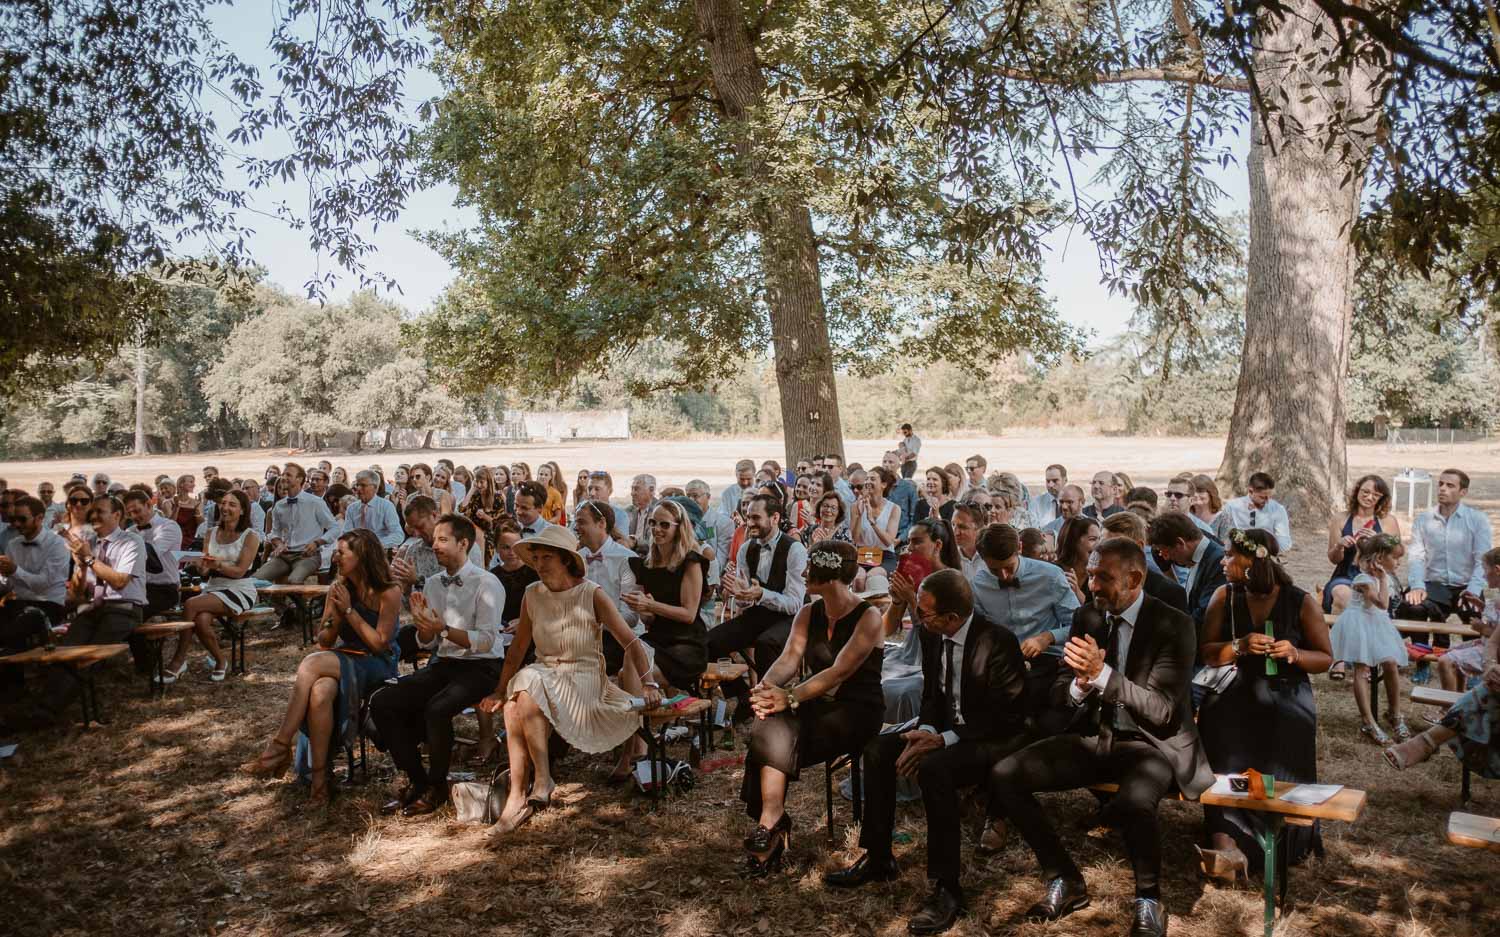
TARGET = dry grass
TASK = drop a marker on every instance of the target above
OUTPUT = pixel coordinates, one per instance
(142, 826)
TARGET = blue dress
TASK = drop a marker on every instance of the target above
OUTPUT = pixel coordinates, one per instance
(1364, 634)
(1343, 574)
(359, 674)
(1476, 717)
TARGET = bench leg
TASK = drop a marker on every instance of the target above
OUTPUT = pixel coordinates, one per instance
(828, 797)
(1463, 796)
(157, 689)
(1273, 847)
(304, 615)
(88, 697)
(654, 754)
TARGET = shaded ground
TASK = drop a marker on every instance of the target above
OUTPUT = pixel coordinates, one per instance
(143, 826)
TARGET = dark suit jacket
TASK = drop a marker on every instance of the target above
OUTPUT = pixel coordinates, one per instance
(1152, 686)
(1210, 578)
(1165, 589)
(992, 688)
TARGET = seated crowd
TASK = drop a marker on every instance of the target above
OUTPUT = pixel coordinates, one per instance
(951, 628)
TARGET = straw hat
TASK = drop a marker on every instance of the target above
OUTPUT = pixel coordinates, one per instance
(558, 538)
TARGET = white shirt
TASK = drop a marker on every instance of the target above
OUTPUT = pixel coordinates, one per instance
(1270, 518)
(789, 600)
(959, 638)
(41, 567)
(610, 568)
(302, 522)
(165, 538)
(1449, 551)
(729, 498)
(1127, 628)
(536, 526)
(473, 602)
(379, 517)
(971, 564)
(122, 551)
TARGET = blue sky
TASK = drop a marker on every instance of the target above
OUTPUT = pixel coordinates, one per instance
(1071, 267)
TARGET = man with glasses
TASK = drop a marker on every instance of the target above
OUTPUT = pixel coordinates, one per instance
(1179, 500)
(833, 464)
(1259, 509)
(1069, 506)
(974, 468)
(317, 482)
(372, 512)
(34, 573)
(101, 484)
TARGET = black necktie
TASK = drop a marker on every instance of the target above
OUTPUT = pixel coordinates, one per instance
(1119, 719)
(948, 646)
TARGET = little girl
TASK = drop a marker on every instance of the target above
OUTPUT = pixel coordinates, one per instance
(1364, 636)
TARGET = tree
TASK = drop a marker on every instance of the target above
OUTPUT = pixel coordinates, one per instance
(649, 173)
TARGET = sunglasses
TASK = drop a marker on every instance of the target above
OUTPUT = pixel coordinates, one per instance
(663, 525)
(80, 500)
(1176, 495)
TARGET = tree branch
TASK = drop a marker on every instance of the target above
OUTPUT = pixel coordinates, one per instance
(1191, 76)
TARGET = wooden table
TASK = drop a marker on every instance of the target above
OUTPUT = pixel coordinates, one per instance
(155, 634)
(300, 594)
(1466, 829)
(80, 657)
(656, 745)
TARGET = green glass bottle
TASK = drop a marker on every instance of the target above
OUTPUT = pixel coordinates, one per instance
(1271, 669)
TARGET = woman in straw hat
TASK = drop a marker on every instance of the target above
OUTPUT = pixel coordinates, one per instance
(566, 689)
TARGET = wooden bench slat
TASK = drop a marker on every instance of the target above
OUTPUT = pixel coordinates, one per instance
(1467, 829)
(162, 629)
(1434, 696)
(1406, 626)
(74, 655)
(1345, 806)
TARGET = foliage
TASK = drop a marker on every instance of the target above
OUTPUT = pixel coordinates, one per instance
(616, 207)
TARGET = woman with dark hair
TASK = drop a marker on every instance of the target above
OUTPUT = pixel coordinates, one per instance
(75, 520)
(581, 489)
(828, 521)
(937, 496)
(357, 652)
(566, 689)
(1368, 513)
(873, 520)
(1274, 635)
(1076, 539)
(229, 551)
(188, 509)
(1208, 507)
(484, 509)
(334, 498)
(799, 722)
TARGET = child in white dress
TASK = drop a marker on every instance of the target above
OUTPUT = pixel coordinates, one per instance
(1365, 636)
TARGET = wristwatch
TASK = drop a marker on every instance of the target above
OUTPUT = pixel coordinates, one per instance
(444, 633)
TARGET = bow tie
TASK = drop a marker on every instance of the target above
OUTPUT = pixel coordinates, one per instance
(28, 543)
(453, 581)
(596, 558)
(291, 500)
(1011, 583)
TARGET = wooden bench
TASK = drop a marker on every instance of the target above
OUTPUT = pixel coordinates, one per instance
(1466, 829)
(300, 595)
(234, 628)
(155, 634)
(654, 725)
(81, 658)
(1407, 626)
(1345, 806)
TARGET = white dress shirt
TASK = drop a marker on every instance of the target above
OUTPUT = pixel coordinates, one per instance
(41, 568)
(610, 568)
(473, 602)
(1449, 550)
(165, 538)
(1043, 507)
(789, 600)
(970, 564)
(300, 520)
(1271, 518)
(1127, 629)
(537, 526)
(959, 638)
(379, 517)
(122, 551)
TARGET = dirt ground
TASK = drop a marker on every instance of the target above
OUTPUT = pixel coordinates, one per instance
(143, 826)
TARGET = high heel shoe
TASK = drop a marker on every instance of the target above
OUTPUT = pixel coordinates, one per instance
(272, 762)
(759, 839)
(1223, 865)
(170, 675)
(768, 848)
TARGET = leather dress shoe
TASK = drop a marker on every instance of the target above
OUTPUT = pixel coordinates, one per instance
(429, 802)
(992, 839)
(404, 798)
(864, 871)
(1149, 919)
(1063, 897)
(938, 913)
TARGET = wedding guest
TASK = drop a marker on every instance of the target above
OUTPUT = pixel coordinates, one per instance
(1075, 542)
(1446, 560)
(555, 508)
(1158, 585)
(904, 492)
(34, 575)
(1275, 635)
(803, 721)
(356, 653)
(1105, 501)
(1069, 505)
(372, 512)
(1044, 505)
(1184, 546)
(229, 550)
(830, 523)
(163, 577)
(874, 519)
(1368, 513)
(670, 599)
(937, 501)
(300, 526)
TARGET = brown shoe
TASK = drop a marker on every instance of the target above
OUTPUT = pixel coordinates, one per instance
(993, 839)
(404, 798)
(430, 802)
(272, 763)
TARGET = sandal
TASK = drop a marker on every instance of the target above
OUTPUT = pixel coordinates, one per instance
(170, 675)
(1413, 751)
(1338, 671)
(1399, 728)
(220, 671)
(273, 761)
(1375, 734)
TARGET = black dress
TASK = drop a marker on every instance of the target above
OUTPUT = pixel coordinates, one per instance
(1269, 723)
(681, 647)
(837, 723)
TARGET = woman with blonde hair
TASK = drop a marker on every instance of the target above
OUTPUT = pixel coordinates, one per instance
(672, 585)
(551, 477)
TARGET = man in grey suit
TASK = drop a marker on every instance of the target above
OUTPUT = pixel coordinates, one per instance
(1127, 668)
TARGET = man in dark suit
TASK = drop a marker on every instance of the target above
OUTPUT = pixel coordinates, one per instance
(1163, 588)
(1127, 666)
(1180, 542)
(973, 714)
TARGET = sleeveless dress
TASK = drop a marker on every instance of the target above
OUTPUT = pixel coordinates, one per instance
(1363, 633)
(866, 536)
(1344, 573)
(238, 595)
(360, 674)
(187, 520)
(1269, 723)
(680, 648)
(568, 681)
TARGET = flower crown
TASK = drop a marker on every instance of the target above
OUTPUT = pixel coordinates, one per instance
(827, 559)
(1248, 546)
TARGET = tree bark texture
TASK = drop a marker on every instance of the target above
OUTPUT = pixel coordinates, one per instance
(1289, 411)
(140, 400)
(789, 251)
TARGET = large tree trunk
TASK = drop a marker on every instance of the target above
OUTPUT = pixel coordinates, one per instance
(789, 250)
(1299, 299)
(140, 399)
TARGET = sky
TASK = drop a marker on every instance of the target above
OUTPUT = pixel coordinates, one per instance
(1070, 268)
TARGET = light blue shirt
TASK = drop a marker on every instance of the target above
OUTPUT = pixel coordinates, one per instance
(541, 524)
(905, 495)
(845, 493)
(1271, 518)
(379, 517)
(1042, 601)
(1043, 507)
(1449, 551)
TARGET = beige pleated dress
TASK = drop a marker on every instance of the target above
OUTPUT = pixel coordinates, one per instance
(568, 681)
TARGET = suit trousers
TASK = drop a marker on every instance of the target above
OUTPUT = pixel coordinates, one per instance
(941, 774)
(1068, 762)
(420, 707)
(760, 636)
(294, 570)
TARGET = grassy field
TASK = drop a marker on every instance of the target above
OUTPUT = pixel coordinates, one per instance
(143, 826)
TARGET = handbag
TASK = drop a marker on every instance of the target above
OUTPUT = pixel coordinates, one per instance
(869, 556)
(1217, 680)
(480, 801)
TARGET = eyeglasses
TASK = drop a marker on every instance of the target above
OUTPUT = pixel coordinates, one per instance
(80, 500)
(1176, 495)
(663, 525)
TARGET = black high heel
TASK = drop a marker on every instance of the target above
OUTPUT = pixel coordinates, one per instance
(773, 843)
